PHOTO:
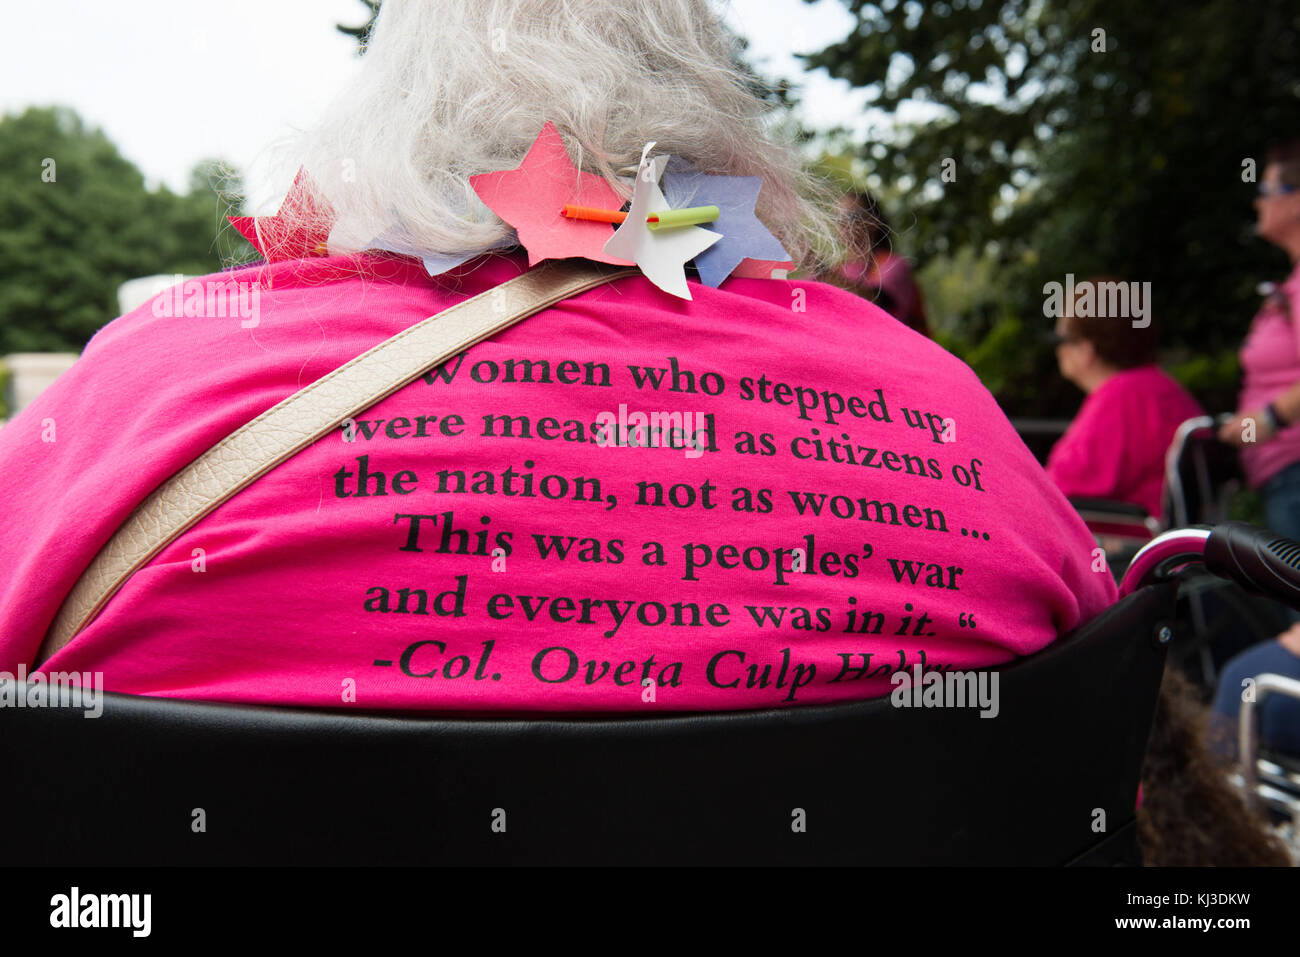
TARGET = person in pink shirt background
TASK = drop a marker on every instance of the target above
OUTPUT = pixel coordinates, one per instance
(849, 501)
(1115, 447)
(1267, 426)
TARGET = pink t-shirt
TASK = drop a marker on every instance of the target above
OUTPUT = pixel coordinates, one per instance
(1270, 364)
(1115, 447)
(475, 547)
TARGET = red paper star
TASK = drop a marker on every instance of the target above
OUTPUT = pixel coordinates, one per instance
(531, 197)
(300, 228)
(763, 269)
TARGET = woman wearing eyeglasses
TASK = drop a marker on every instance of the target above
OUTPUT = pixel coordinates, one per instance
(1267, 427)
(1115, 447)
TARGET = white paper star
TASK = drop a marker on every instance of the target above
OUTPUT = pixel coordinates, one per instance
(662, 255)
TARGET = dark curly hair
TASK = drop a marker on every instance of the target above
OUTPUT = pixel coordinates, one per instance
(1287, 156)
(1190, 815)
(866, 227)
(1117, 342)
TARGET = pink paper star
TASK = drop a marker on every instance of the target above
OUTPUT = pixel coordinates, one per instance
(300, 228)
(531, 196)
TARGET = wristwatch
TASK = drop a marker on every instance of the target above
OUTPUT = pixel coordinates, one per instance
(1275, 422)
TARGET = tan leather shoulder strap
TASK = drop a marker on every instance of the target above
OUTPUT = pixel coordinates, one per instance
(304, 417)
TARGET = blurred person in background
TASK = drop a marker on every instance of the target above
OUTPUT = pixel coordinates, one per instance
(1279, 715)
(872, 269)
(1189, 814)
(1115, 447)
(1267, 431)
(1267, 425)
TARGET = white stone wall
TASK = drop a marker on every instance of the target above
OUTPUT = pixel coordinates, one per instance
(31, 373)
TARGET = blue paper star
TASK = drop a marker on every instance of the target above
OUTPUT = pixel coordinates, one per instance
(395, 240)
(743, 235)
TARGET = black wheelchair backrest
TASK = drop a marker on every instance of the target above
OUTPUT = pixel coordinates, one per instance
(1052, 779)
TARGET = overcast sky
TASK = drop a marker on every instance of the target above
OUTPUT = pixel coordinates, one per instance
(174, 81)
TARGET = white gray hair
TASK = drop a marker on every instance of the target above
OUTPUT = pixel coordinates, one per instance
(451, 88)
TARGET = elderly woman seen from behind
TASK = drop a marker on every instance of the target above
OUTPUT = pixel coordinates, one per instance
(691, 487)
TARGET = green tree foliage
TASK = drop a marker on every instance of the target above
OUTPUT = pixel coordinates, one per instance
(77, 220)
(362, 33)
(1086, 137)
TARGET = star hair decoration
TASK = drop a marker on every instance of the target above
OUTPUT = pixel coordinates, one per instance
(660, 253)
(531, 198)
(299, 229)
(560, 211)
(677, 215)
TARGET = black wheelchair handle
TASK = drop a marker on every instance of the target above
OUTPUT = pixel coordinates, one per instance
(1262, 562)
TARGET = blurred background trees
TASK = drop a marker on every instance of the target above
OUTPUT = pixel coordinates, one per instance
(361, 33)
(1023, 140)
(1084, 137)
(77, 220)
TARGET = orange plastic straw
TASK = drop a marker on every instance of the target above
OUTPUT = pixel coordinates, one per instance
(593, 213)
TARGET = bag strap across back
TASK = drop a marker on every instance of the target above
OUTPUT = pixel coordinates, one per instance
(304, 417)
